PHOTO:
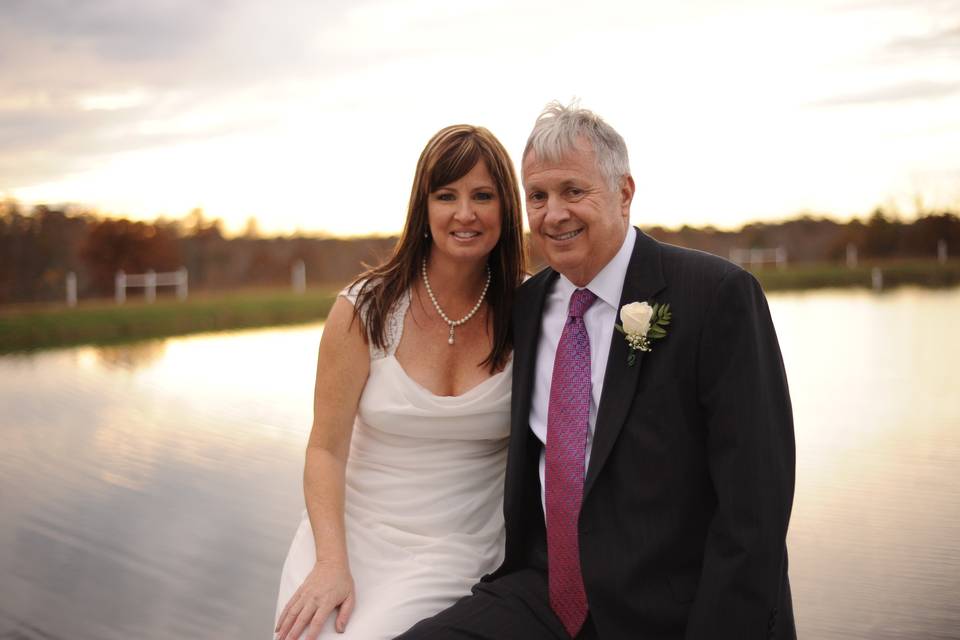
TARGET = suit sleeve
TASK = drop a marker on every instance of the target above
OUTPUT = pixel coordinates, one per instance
(742, 390)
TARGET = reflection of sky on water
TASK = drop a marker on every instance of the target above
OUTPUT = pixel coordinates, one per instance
(150, 491)
(876, 523)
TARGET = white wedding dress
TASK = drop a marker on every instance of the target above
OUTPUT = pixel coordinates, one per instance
(424, 495)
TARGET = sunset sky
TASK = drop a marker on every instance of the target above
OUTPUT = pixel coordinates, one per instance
(310, 114)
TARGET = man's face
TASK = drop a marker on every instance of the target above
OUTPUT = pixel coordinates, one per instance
(576, 221)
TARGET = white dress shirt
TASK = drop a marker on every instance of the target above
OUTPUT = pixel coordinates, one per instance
(599, 320)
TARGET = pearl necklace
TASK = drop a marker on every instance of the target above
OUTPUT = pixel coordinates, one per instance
(436, 305)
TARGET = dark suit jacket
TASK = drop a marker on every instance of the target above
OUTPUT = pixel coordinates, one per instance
(690, 482)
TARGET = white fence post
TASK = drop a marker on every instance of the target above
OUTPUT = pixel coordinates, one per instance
(759, 256)
(851, 255)
(120, 289)
(182, 283)
(942, 251)
(71, 289)
(150, 282)
(298, 275)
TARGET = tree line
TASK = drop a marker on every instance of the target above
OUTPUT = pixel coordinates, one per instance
(39, 246)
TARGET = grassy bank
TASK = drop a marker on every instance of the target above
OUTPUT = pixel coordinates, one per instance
(924, 273)
(39, 327)
(33, 327)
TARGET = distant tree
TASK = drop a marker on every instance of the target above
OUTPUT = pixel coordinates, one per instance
(268, 265)
(204, 248)
(882, 236)
(12, 227)
(754, 236)
(194, 221)
(36, 251)
(929, 230)
(39, 246)
(134, 247)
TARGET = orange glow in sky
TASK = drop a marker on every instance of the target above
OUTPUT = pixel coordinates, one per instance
(311, 116)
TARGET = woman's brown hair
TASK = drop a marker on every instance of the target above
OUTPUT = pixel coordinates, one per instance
(449, 155)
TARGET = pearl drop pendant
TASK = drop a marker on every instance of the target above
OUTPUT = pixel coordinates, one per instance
(436, 305)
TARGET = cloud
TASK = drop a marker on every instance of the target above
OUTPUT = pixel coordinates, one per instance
(912, 55)
(299, 92)
(114, 28)
(943, 42)
(85, 79)
(902, 92)
(940, 8)
(114, 45)
(919, 41)
(43, 147)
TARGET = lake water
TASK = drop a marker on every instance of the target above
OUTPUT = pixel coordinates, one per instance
(150, 491)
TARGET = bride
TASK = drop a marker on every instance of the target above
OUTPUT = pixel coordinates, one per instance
(403, 479)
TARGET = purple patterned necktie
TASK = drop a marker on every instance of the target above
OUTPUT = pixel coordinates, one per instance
(568, 422)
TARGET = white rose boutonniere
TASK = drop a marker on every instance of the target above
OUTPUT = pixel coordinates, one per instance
(636, 318)
(641, 324)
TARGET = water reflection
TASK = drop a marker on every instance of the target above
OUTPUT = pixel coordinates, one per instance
(129, 356)
(151, 496)
(150, 491)
(874, 551)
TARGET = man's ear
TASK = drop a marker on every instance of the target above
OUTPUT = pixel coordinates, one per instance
(627, 189)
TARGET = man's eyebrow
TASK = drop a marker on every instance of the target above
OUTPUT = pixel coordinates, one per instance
(535, 186)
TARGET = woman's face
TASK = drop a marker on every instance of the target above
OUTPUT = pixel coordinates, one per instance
(465, 216)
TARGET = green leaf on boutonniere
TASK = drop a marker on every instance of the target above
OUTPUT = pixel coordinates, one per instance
(660, 319)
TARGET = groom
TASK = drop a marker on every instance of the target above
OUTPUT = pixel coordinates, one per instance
(650, 474)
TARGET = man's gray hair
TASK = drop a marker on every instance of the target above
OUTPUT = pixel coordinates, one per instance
(557, 129)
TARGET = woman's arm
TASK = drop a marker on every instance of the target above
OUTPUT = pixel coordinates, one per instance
(343, 364)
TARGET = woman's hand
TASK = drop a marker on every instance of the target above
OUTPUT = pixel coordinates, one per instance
(327, 587)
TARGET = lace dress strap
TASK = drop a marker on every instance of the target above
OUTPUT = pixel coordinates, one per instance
(393, 330)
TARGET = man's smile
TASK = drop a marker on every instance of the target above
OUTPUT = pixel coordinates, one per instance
(560, 237)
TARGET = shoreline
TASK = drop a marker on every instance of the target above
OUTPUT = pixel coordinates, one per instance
(39, 326)
(923, 273)
(27, 328)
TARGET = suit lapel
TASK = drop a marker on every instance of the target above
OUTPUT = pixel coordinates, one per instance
(643, 280)
(525, 339)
